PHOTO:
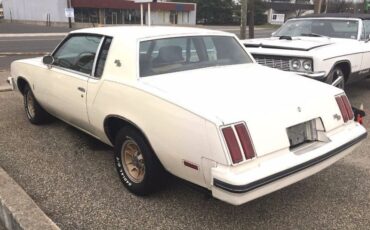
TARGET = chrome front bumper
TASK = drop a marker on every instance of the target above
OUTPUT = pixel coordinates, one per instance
(317, 76)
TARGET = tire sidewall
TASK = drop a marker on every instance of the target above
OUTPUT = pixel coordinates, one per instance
(147, 185)
(28, 93)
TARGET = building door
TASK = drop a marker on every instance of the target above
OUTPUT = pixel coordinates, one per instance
(173, 17)
(114, 17)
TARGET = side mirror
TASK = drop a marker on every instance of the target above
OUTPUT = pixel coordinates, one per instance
(48, 60)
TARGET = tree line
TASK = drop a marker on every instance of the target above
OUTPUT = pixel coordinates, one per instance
(225, 12)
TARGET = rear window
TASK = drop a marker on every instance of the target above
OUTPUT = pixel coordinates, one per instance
(170, 55)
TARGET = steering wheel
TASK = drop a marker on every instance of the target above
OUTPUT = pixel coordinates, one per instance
(83, 59)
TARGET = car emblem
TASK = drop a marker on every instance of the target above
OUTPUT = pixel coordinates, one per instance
(337, 117)
(299, 109)
(118, 63)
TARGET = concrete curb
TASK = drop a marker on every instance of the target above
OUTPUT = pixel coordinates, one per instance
(5, 88)
(17, 210)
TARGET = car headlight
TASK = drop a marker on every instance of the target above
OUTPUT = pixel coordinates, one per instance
(296, 64)
(307, 65)
(301, 65)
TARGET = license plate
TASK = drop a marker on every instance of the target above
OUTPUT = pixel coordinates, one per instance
(302, 133)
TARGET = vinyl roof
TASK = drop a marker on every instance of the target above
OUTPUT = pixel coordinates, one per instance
(337, 15)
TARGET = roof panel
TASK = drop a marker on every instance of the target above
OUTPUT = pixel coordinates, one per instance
(337, 15)
(146, 31)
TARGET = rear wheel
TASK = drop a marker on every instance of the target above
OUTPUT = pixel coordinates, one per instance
(35, 113)
(337, 78)
(137, 166)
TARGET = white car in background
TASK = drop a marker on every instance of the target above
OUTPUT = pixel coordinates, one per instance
(332, 48)
(191, 102)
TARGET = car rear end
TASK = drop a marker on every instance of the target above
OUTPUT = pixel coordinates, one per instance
(265, 158)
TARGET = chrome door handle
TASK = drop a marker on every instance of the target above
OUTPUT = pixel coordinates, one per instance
(81, 89)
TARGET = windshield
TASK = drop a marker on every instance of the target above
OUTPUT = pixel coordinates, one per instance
(319, 27)
(169, 55)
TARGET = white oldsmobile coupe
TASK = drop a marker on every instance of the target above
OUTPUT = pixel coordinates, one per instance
(333, 48)
(191, 102)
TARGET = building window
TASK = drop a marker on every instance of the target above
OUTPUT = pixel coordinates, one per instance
(86, 15)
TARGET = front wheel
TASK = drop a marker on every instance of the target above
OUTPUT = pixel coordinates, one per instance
(35, 113)
(138, 167)
(336, 78)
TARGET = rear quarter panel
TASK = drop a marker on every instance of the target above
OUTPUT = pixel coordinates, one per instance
(174, 133)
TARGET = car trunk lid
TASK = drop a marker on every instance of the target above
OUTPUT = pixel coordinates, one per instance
(268, 100)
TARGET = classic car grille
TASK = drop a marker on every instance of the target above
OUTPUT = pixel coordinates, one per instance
(277, 62)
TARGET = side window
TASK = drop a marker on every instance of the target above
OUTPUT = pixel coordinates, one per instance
(78, 53)
(367, 28)
(102, 58)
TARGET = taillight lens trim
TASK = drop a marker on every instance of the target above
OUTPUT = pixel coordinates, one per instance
(232, 144)
(245, 141)
(348, 106)
(238, 142)
(344, 107)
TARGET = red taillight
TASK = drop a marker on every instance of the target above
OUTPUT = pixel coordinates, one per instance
(245, 141)
(342, 108)
(345, 107)
(348, 107)
(232, 144)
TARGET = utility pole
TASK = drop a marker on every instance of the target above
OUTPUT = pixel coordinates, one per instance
(243, 19)
(318, 5)
(69, 5)
(251, 19)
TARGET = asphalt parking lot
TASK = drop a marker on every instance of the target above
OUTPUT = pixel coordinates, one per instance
(72, 178)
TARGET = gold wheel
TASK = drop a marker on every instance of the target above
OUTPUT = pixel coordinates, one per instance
(133, 161)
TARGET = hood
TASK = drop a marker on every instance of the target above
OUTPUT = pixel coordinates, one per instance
(297, 43)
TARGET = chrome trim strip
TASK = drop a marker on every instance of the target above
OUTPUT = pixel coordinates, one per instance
(97, 56)
(312, 75)
(71, 71)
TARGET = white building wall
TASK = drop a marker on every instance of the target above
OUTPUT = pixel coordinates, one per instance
(31, 10)
(193, 17)
(163, 18)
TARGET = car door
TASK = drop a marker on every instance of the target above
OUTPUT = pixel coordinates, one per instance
(66, 82)
(365, 65)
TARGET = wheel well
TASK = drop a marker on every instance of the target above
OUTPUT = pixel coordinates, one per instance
(113, 124)
(21, 82)
(346, 68)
